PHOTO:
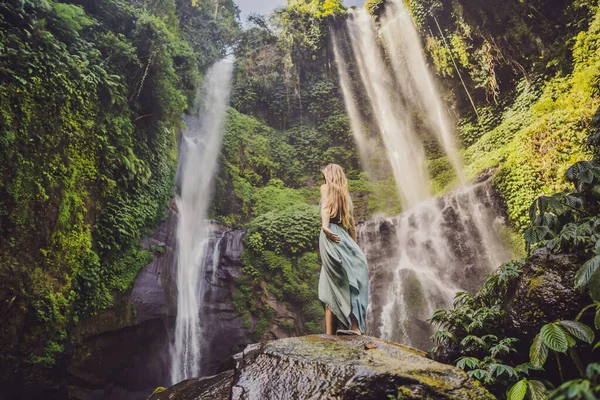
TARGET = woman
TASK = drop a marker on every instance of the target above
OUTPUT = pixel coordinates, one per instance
(344, 280)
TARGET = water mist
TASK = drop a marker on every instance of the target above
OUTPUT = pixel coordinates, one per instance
(199, 149)
(419, 260)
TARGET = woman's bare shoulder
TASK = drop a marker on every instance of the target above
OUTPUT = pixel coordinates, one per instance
(323, 187)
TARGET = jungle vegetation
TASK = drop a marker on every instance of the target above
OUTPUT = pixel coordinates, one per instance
(92, 95)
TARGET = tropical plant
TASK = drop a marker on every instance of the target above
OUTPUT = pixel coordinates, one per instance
(527, 389)
(560, 337)
(586, 388)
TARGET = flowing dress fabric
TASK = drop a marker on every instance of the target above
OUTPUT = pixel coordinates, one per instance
(344, 280)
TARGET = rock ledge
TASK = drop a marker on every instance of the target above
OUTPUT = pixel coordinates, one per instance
(330, 367)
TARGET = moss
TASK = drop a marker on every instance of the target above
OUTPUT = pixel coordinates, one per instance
(513, 242)
(415, 296)
(534, 283)
(287, 326)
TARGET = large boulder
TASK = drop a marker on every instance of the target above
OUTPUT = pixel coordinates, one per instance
(330, 367)
(544, 293)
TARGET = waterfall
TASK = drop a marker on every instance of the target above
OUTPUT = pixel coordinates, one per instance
(419, 260)
(407, 60)
(426, 256)
(200, 147)
(394, 119)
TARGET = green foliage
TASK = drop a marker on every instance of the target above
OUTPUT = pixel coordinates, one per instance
(91, 99)
(526, 388)
(472, 332)
(587, 388)
(559, 337)
(539, 138)
(294, 229)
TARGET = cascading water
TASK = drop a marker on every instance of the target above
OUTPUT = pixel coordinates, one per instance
(420, 259)
(408, 63)
(394, 119)
(200, 147)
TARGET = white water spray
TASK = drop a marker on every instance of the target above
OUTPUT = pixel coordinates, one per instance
(405, 152)
(420, 259)
(408, 63)
(200, 147)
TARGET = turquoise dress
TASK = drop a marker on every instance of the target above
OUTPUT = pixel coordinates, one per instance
(344, 279)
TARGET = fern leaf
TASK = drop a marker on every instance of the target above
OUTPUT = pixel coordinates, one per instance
(518, 390)
(538, 353)
(587, 270)
(554, 337)
(579, 330)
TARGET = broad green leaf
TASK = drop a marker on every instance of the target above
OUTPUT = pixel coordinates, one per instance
(579, 330)
(587, 270)
(592, 371)
(568, 232)
(554, 337)
(538, 353)
(594, 287)
(533, 210)
(571, 341)
(536, 390)
(597, 319)
(517, 391)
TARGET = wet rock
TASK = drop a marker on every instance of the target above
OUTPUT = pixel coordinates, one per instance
(123, 352)
(216, 387)
(329, 367)
(544, 293)
(421, 258)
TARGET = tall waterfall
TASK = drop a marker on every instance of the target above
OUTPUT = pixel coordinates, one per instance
(408, 63)
(200, 147)
(419, 260)
(395, 121)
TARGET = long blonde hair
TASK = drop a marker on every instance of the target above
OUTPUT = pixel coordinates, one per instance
(338, 199)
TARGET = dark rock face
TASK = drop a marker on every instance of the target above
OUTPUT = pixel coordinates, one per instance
(124, 352)
(544, 294)
(224, 333)
(329, 367)
(421, 258)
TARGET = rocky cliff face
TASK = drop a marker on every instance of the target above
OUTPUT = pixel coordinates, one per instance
(330, 367)
(420, 259)
(124, 352)
(544, 293)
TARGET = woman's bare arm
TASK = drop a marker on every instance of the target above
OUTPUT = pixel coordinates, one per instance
(325, 217)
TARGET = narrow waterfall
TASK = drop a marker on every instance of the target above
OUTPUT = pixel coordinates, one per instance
(419, 260)
(200, 147)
